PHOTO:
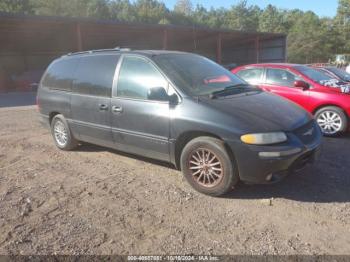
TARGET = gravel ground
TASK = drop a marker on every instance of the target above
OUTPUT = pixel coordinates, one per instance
(99, 201)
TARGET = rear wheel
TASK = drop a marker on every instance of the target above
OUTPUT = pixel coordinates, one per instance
(332, 120)
(61, 133)
(208, 167)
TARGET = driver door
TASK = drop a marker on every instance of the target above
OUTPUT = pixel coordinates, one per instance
(140, 125)
(281, 82)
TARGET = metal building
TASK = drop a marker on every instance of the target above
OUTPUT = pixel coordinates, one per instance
(30, 43)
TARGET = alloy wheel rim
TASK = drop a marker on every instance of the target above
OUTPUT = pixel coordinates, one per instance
(61, 134)
(330, 122)
(205, 167)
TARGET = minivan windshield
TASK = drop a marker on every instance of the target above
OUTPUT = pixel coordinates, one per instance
(199, 75)
(313, 74)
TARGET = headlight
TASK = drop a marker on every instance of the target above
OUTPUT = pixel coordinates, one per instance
(264, 138)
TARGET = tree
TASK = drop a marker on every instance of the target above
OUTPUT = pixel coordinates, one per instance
(271, 20)
(164, 21)
(150, 11)
(343, 12)
(290, 17)
(72, 8)
(75, 8)
(307, 40)
(343, 25)
(310, 38)
(242, 17)
(183, 7)
(16, 6)
(213, 18)
(97, 9)
(122, 10)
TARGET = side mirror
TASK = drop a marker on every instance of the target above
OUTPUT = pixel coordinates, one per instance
(173, 99)
(160, 94)
(157, 94)
(301, 84)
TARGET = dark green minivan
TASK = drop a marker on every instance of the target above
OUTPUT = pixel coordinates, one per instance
(180, 108)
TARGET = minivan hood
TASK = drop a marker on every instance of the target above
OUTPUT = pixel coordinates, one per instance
(262, 111)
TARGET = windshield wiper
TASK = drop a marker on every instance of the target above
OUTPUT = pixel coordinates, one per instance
(228, 89)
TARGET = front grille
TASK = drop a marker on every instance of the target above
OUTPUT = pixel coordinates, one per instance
(307, 133)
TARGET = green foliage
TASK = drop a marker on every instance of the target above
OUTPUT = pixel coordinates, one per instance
(343, 15)
(343, 25)
(272, 20)
(306, 37)
(242, 17)
(150, 11)
(122, 10)
(54, 7)
(310, 38)
(213, 18)
(184, 7)
(16, 6)
(97, 9)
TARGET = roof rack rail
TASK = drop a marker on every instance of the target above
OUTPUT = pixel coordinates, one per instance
(117, 49)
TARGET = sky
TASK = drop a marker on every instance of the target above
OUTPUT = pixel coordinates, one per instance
(320, 7)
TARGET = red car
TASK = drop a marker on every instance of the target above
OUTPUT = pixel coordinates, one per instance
(327, 98)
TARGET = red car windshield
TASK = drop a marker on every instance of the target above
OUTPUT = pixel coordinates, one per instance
(313, 74)
(340, 73)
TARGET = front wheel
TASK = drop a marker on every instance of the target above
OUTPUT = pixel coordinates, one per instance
(208, 167)
(332, 120)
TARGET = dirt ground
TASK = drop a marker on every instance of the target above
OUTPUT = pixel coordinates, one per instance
(97, 201)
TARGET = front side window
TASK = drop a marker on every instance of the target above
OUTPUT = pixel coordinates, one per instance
(281, 77)
(197, 75)
(136, 77)
(251, 75)
(95, 75)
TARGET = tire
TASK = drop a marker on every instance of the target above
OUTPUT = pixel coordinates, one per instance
(332, 120)
(207, 178)
(62, 134)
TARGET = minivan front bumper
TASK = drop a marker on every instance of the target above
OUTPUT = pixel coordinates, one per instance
(270, 164)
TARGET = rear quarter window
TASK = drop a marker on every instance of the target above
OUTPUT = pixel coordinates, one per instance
(60, 74)
(95, 74)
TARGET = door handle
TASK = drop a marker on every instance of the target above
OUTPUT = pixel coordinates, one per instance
(103, 107)
(117, 109)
